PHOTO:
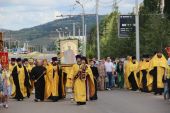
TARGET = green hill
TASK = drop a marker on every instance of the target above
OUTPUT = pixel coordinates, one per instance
(45, 34)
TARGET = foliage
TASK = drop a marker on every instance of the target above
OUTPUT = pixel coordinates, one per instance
(154, 33)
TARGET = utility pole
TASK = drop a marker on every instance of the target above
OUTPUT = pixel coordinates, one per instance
(97, 26)
(137, 32)
(115, 6)
(83, 26)
(83, 22)
(79, 32)
(74, 29)
(10, 42)
(85, 37)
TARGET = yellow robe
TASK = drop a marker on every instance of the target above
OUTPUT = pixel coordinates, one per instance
(11, 67)
(161, 64)
(127, 73)
(31, 81)
(51, 83)
(80, 85)
(135, 68)
(66, 83)
(21, 78)
(29, 69)
(69, 82)
(145, 66)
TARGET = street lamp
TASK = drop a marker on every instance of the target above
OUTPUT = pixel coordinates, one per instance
(97, 29)
(83, 26)
(137, 32)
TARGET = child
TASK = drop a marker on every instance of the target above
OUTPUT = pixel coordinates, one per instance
(6, 85)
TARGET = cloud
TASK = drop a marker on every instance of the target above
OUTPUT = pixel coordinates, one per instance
(17, 14)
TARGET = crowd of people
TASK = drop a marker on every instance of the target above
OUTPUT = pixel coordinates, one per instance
(150, 74)
(52, 81)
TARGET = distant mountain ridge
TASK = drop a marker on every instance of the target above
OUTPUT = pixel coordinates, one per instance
(46, 33)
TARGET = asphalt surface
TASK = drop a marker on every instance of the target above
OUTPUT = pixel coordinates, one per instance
(115, 101)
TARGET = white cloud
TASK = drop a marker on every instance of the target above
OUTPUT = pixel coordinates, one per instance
(17, 14)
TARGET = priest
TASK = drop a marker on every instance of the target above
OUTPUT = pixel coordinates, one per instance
(157, 70)
(37, 74)
(133, 77)
(127, 72)
(11, 67)
(79, 74)
(145, 78)
(51, 81)
(21, 80)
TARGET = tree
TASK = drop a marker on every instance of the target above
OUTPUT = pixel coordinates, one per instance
(154, 33)
(152, 6)
(167, 9)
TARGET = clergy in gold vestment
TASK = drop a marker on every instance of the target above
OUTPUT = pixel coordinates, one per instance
(127, 72)
(157, 70)
(146, 79)
(51, 81)
(79, 74)
(11, 67)
(21, 80)
(28, 67)
(31, 66)
(133, 77)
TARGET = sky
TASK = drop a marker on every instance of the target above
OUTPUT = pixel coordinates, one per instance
(19, 14)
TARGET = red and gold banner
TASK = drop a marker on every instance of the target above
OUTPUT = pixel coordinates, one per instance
(4, 59)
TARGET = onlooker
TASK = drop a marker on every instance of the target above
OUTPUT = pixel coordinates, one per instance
(114, 78)
(109, 70)
(102, 74)
(120, 72)
(96, 62)
(6, 85)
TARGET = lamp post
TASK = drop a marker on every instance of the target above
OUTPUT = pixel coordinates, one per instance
(97, 27)
(137, 32)
(83, 26)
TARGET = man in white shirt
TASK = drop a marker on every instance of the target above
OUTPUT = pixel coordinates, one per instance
(109, 69)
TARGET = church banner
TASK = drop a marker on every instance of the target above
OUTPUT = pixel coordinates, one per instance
(68, 50)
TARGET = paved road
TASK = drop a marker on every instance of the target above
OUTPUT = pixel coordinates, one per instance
(116, 101)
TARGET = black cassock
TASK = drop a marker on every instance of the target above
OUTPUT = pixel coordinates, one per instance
(16, 82)
(96, 75)
(38, 73)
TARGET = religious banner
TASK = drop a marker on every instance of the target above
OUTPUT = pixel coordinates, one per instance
(4, 59)
(68, 51)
